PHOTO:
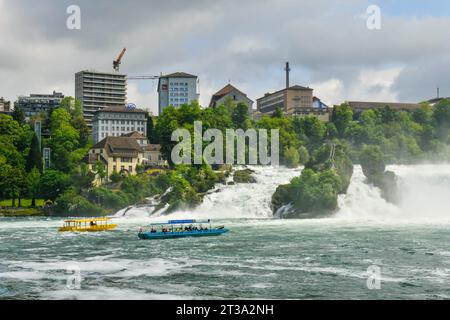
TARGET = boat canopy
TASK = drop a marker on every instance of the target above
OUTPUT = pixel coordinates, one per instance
(88, 220)
(180, 222)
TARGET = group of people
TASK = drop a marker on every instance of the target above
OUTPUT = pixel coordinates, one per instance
(185, 229)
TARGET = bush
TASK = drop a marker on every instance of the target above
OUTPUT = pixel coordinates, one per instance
(71, 204)
(291, 157)
(109, 199)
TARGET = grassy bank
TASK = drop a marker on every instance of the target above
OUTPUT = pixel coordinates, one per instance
(7, 210)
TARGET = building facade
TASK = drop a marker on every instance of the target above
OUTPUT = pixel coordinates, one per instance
(289, 100)
(36, 104)
(118, 154)
(98, 90)
(177, 89)
(5, 106)
(229, 92)
(152, 152)
(118, 121)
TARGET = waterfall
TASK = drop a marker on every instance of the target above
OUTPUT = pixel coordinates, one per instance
(424, 190)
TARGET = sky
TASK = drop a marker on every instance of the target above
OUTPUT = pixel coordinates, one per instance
(245, 42)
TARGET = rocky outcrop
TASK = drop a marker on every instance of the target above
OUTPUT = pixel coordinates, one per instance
(374, 168)
(314, 194)
(244, 176)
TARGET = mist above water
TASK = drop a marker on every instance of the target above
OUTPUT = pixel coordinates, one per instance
(424, 190)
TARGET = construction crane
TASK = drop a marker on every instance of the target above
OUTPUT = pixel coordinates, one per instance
(118, 61)
(143, 77)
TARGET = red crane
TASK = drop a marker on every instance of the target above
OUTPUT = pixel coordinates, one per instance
(118, 61)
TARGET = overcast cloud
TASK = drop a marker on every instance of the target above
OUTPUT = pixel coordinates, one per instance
(245, 42)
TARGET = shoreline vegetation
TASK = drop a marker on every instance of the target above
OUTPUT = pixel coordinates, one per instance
(328, 151)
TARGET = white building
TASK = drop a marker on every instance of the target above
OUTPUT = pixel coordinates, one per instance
(177, 89)
(118, 121)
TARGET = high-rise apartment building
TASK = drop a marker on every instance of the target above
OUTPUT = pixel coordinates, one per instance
(177, 89)
(36, 104)
(98, 90)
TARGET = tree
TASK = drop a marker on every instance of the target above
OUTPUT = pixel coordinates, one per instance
(278, 113)
(303, 155)
(18, 115)
(14, 183)
(75, 109)
(372, 161)
(100, 171)
(34, 159)
(33, 182)
(341, 116)
(442, 119)
(240, 116)
(53, 183)
(151, 130)
(82, 178)
(64, 140)
(292, 157)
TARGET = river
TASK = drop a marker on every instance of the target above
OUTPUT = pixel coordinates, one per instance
(261, 258)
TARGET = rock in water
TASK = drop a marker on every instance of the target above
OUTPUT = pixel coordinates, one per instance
(244, 176)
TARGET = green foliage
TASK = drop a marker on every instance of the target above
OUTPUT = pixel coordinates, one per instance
(341, 117)
(18, 115)
(34, 159)
(303, 155)
(292, 157)
(313, 193)
(73, 204)
(33, 180)
(53, 183)
(240, 116)
(244, 176)
(108, 199)
(372, 161)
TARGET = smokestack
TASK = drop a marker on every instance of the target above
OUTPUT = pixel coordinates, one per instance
(287, 69)
(438, 93)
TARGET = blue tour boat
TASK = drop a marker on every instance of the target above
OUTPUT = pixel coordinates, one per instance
(180, 229)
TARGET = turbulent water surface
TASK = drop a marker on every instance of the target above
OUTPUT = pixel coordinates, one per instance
(260, 258)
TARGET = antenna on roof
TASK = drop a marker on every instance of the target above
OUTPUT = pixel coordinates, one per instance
(287, 69)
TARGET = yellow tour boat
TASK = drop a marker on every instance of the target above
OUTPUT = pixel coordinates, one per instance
(88, 225)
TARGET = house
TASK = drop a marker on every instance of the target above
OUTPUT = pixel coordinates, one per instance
(229, 92)
(118, 154)
(152, 152)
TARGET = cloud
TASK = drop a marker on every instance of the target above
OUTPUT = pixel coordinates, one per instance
(245, 42)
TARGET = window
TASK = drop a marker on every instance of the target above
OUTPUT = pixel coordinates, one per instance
(115, 168)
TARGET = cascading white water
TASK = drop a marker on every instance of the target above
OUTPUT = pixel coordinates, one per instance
(244, 200)
(424, 192)
(425, 195)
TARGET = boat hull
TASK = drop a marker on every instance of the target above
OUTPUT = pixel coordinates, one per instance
(88, 229)
(177, 235)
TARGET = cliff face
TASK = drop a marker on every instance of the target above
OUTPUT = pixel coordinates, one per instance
(374, 168)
